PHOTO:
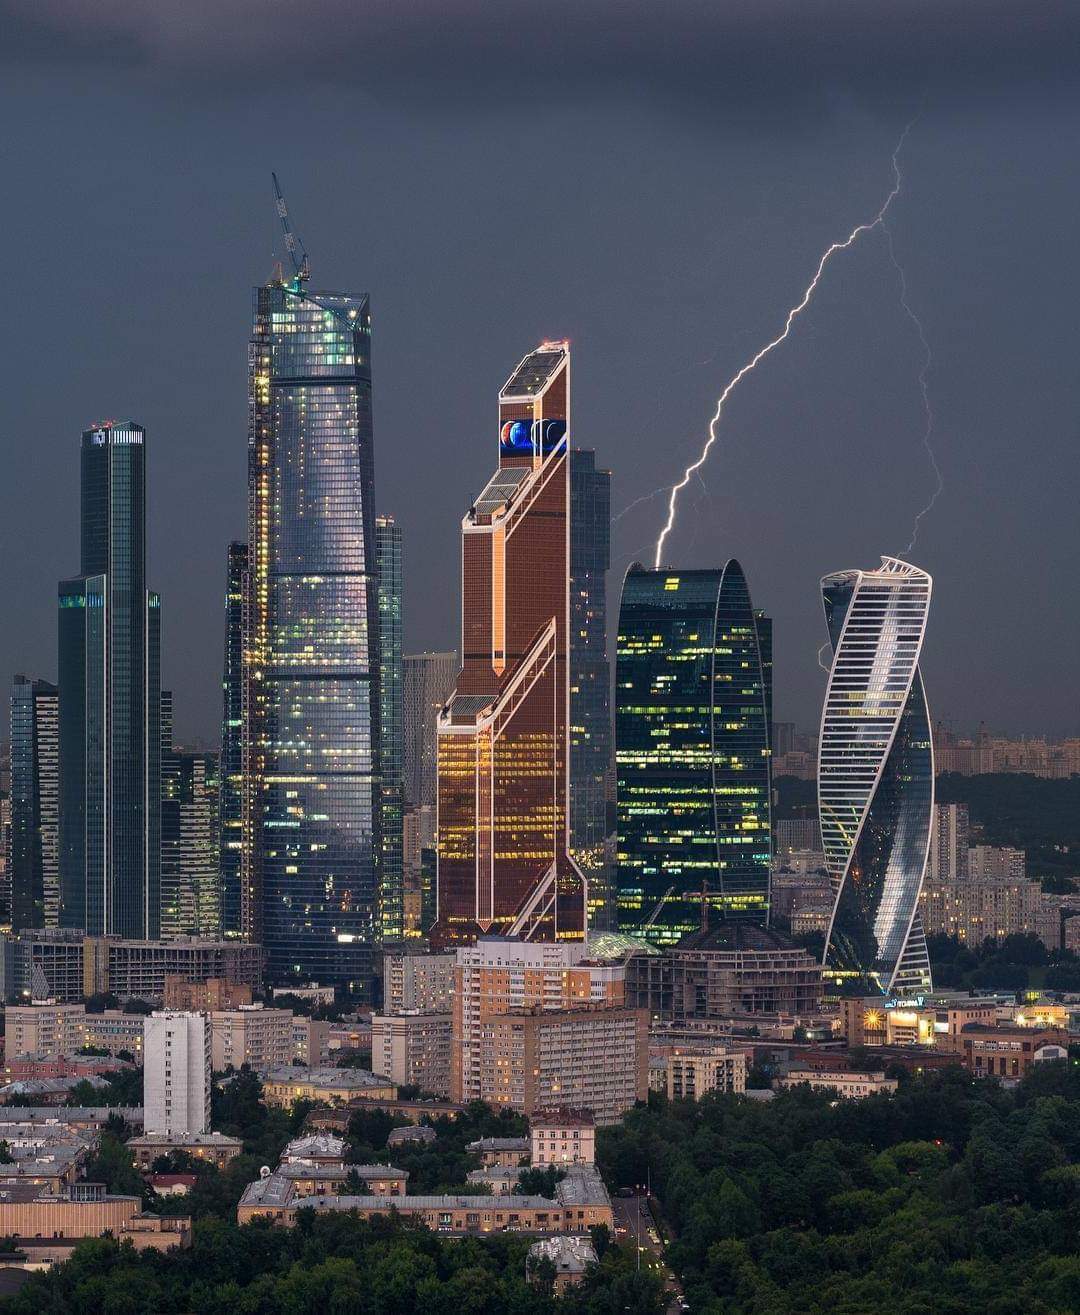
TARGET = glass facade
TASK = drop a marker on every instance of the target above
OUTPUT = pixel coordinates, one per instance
(190, 887)
(391, 731)
(34, 843)
(876, 777)
(231, 795)
(590, 678)
(428, 681)
(692, 700)
(310, 809)
(505, 864)
(110, 701)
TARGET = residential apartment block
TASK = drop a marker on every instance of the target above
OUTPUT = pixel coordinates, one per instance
(413, 1049)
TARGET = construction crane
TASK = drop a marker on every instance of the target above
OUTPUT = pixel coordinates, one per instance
(660, 904)
(702, 894)
(293, 245)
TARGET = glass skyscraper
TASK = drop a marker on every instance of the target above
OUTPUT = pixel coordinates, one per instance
(190, 885)
(876, 777)
(110, 703)
(231, 777)
(391, 731)
(428, 682)
(311, 717)
(505, 865)
(692, 701)
(34, 849)
(590, 676)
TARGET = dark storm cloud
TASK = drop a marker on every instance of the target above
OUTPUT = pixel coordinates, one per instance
(744, 53)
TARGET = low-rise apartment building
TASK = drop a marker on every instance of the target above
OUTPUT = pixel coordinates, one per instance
(213, 1147)
(1006, 1050)
(562, 1136)
(581, 1202)
(38, 1222)
(846, 1085)
(286, 1084)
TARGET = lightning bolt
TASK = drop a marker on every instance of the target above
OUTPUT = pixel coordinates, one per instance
(645, 497)
(928, 410)
(793, 314)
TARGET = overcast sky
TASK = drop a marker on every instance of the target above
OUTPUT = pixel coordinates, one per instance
(655, 182)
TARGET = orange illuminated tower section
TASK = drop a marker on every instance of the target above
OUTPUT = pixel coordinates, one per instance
(503, 835)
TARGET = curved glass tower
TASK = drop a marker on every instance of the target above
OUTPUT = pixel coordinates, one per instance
(692, 704)
(876, 777)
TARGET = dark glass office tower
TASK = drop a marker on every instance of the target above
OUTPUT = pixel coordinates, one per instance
(190, 890)
(110, 701)
(692, 700)
(311, 720)
(391, 732)
(231, 776)
(34, 846)
(428, 681)
(590, 677)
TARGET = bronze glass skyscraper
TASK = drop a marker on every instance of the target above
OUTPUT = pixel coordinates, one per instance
(311, 716)
(504, 848)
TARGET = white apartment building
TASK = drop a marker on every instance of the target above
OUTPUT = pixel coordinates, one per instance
(176, 1073)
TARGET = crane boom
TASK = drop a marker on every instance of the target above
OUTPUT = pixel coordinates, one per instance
(293, 245)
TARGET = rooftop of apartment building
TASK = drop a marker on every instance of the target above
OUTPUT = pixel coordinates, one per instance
(316, 1145)
(562, 1117)
(332, 1079)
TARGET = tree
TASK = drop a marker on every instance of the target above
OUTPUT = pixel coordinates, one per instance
(112, 1165)
(540, 1181)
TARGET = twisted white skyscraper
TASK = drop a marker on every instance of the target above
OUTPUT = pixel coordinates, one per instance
(876, 776)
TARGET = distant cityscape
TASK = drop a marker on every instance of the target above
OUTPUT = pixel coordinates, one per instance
(427, 929)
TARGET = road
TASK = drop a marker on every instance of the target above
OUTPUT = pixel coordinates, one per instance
(634, 1226)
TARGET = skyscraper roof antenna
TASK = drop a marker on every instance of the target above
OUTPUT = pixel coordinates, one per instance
(293, 245)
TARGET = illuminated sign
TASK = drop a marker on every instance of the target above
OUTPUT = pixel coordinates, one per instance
(529, 436)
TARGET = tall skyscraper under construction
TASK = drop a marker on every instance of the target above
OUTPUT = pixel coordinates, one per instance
(110, 700)
(504, 844)
(311, 706)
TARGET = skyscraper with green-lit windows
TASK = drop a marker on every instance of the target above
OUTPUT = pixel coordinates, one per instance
(693, 696)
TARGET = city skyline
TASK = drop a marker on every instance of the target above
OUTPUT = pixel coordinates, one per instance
(729, 226)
